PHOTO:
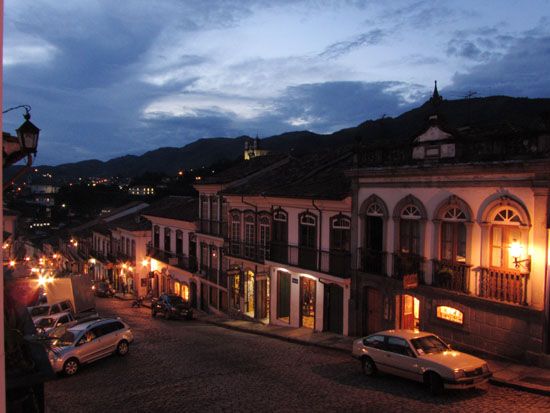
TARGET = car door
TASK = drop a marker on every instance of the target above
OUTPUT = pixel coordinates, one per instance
(376, 349)
(401, 359)
(90, 345)
(111, 333)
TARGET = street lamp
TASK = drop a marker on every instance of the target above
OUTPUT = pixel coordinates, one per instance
(16, 148)
(516, 251)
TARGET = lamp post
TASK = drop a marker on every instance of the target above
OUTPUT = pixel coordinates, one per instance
(16, 148)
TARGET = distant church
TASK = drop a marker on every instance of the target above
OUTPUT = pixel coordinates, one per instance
(252, 149)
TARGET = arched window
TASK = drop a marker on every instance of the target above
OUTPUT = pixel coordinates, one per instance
(156, 236)
(340, 248)
(167, 239)
(265, 236)
(409, 230)
(373, 215)
(453, 215)
(279, 236)
(506, 229)
(179, 242)
(249, 235)
(307, 251)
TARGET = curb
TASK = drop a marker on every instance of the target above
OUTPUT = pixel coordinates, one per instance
(492, 380)
(273, 335)
(517, 386)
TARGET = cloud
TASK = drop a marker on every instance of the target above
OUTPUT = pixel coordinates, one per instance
(521, 71)
(340, 48)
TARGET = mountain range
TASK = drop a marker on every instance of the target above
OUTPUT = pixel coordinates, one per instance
(488, 112)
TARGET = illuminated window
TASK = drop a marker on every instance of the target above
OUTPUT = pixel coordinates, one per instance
(450, 314)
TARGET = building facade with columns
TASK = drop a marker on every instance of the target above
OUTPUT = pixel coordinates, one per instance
(451, 235)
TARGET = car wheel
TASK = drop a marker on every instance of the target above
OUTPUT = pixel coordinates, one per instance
(122, 348)
(434, 383)
(70, 367)
(369, 368)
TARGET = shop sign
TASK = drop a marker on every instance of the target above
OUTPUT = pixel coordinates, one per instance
(295, 280)
(410, 281)
(450, 314)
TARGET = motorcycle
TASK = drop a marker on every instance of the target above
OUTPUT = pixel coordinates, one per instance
(138, 302)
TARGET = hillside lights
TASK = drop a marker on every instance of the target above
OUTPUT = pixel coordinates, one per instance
(516, 252)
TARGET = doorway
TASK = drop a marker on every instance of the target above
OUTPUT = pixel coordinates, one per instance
(371, 310)
(333, 308)
(307, 302)
(262, 298)
(409, 310)
(249, 303)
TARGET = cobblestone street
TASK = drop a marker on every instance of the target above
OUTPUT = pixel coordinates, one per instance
(192, 366)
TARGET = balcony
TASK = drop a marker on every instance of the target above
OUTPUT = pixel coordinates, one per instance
(211, 274)
(182, 261)
(451, 276)
(371, 261)
(500, 284)
(252, 252)
(216, 228)
(404, 264)
(332, 262)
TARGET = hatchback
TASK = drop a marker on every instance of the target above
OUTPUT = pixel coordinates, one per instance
(89, 341)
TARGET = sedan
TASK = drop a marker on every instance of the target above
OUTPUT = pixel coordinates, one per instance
(422, 357)
(171, 306)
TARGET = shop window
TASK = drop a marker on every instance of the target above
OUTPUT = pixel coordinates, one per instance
(307, 302)
(235, 291)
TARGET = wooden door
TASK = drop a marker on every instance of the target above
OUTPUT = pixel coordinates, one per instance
(371, 310)
(333, 308)
(407, 312)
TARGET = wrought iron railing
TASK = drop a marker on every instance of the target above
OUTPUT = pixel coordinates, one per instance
(253, 252)
(371, 261)
(334, 262)
(216, 228)
(453, 276)
(182, 261)
(506, 285)
(404, 264)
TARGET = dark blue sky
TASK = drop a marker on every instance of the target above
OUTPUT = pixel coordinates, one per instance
(108, 78)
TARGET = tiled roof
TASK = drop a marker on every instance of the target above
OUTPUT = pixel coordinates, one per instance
(133, 222)
(101, 228)
(245, 168)
(182, 208)
(315, 176)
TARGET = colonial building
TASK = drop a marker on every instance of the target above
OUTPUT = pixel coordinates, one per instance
(172, 248)
(450, 233)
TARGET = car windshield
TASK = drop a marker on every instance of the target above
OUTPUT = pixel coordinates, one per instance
(42, 310)
(175, 300)
(66, 339)
(46, 322)
(429, 345)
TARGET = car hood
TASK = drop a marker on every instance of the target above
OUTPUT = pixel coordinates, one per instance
(455, 360)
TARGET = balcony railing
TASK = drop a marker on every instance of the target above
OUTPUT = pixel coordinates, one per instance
(453, 276)
(404, 264)
(253, 252)
(501, 284)
(332, 262)
(217, 228)
(211, 274)
(171, 258)
(371, 261)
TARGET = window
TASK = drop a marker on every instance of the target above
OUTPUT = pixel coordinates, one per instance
(156, 236)
(505, 230)
(128, 251)
(249, 236)
(283, 296)
(133, 252)
(205, 259)
(374, 341)
(409, 230)
(179, 242)
(235, 233)
(307, 257)
(167, 239)
(214, 212)
(279, 238)
(265, 237)
(204, 208)
(399, 346)
(340, 233)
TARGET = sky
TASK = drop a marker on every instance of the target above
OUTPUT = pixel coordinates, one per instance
(108, 78)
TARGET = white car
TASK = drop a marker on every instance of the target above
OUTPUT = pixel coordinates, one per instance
(48, 323)
(422, 357)
(43, 310)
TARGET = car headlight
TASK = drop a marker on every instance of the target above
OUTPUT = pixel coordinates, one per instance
(459, 373)
(485, 368)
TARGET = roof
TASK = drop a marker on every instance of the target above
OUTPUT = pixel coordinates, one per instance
(133, 222)
(245, 168)
(314, 176)
(406, 334)
(181, 208)
(101, 228)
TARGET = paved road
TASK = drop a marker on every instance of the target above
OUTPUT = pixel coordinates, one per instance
(192, 366)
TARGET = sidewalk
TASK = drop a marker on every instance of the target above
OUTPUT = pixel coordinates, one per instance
(505, 373)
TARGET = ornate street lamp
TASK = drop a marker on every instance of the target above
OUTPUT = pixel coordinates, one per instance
(16, 148)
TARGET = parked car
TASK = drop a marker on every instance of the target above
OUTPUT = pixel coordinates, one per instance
(171, 306)
(103, 289)
(89, 341)
(43, 310)
(45, 324)
(422, 357)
